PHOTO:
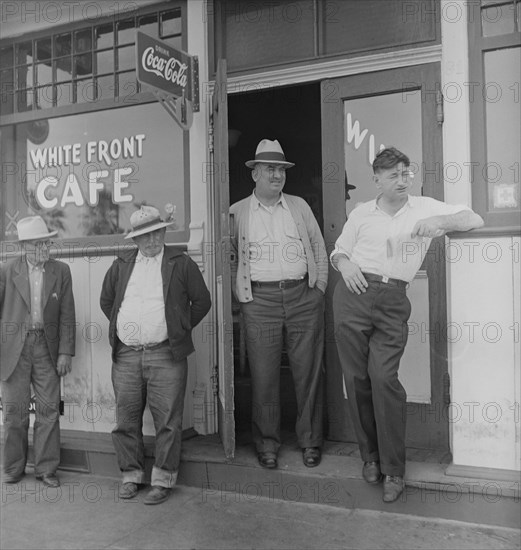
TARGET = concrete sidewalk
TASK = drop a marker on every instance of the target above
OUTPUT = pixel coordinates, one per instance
(85, 512)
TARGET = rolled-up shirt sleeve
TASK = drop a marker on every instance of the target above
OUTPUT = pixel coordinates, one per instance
(345, 242)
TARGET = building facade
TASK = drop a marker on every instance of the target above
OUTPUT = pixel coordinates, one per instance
(83, 143)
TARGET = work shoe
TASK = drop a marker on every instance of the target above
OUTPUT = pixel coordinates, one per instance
(128, 490)
(393, 488)
(49, 480)
(157, 495)
(12, 478)
(267, 459)
(311, 456)
(371, 472)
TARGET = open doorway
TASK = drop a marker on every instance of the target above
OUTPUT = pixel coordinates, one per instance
(292, 115)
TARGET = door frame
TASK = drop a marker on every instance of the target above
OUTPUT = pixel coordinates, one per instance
(427, 425)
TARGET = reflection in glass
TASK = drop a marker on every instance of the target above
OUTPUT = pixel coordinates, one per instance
(104, 36)
(83, 64)
(126, 31)
(127, 85)
(62, 44)
(43, 49)
(171, 23)
(6, 57)
(149, 25)
(43, 74)
(44, 97)
(64, 94)
(24, 53)
(24, 100)
(503, 131)
(24, 76)
(82, 41)
(63, 68)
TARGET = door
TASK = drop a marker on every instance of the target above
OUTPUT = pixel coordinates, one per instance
(360, 115)
(222, 233)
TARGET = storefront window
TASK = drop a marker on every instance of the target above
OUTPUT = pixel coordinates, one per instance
(86, 173)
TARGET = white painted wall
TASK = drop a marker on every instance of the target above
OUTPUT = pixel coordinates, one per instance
(483, 290)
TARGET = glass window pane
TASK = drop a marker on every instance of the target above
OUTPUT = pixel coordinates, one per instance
(104, 61)
(171, 22)
(6, 57)
(44, 97)
(497, 20)
(85, 91)
(126, 58)
(43, 49)
(126, 31)
(24, 53)
(105, 87)
(104, 35)
(24, 100)
(149, 25)
(83, 64)
(175, 41)
(127, 84)
(24, 76)
(503, 131)
(63, 68)
(82, 41)
(6, 92)
(43, 74)
(62, 44)
(64, 94)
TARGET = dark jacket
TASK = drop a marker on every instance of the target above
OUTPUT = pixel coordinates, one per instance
(187, 299)
(15, 306)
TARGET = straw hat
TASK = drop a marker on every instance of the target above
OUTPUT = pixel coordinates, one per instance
(33, 228)
(269, 152)
(146, 220)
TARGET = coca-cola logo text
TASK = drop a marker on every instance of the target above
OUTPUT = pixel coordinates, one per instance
(170, 69)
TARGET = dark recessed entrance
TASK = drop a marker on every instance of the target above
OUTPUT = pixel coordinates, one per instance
(291, 115)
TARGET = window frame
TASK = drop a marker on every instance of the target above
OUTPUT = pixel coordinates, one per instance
(479, 45)
(105, 244)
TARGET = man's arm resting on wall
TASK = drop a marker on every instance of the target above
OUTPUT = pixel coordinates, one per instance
(436, 226)
(351, 273)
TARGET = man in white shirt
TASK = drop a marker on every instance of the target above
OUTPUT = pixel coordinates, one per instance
(153, 297)
(281, 277)
(382, 246)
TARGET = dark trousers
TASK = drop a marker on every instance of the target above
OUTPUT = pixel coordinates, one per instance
(371, 333)
(295, 315)
(153, 376)
(35, 367)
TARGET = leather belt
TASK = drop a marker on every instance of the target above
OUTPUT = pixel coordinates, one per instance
(147, 347)
(286, 283)
(372, 277)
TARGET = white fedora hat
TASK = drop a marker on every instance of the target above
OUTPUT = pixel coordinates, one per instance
(33, 228)
(146, 220)
(269, 152)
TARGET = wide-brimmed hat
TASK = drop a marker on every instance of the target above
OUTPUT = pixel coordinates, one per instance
(33, 228)
(146, 220)
(269, 152)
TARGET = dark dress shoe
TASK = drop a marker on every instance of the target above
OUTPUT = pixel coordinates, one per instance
(49, 480)
(311, 456)
(157, 495)
(393, 488)
(371, 472)
(267, 459)
(12, 478)
(128, 490)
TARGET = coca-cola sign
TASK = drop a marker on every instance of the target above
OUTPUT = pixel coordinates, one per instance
(163, 67)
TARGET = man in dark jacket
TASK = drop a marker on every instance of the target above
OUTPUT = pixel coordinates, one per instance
(37, 341)
(153, 298)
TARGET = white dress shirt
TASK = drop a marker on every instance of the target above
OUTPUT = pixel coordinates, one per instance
(382, 244)
(276, 251)
(141, 317)
(36, 285)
